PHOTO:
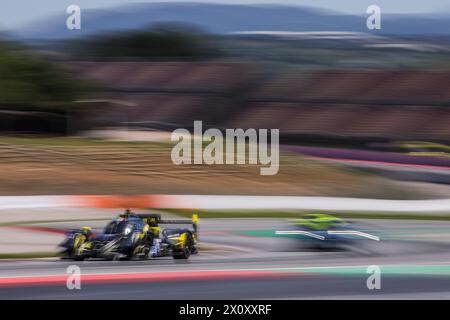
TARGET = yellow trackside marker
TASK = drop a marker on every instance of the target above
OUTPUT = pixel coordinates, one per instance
(195, 218)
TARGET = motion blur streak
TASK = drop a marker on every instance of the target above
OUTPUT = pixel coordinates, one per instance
(150, 277)
(210, 202)
(87, 180)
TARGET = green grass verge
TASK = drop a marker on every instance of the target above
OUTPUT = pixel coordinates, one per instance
(34, 222)
(256, 214)
(297, 214)
(28, 255)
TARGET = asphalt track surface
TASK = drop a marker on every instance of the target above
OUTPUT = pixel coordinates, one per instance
(243, 260)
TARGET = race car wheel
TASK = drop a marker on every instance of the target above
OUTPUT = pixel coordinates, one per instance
(185, 253)
(78, 258)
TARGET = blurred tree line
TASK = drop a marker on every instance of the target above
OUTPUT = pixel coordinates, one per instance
(30, 80)
(165, 41)
(37, 94)
(27, 81)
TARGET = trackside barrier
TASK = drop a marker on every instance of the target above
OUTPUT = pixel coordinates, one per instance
(211, 202)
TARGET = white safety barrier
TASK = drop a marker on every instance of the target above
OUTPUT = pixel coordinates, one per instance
(211, 202)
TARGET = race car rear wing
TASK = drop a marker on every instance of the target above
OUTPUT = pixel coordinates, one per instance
(193, 221)
(157, 218)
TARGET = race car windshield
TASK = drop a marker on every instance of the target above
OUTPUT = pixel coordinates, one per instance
(116, 227)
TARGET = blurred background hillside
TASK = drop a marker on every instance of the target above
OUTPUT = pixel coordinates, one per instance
(361, 113)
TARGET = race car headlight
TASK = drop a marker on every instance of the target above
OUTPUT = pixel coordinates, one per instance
(127, 231)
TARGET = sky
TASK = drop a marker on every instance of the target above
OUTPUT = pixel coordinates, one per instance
(15, 13)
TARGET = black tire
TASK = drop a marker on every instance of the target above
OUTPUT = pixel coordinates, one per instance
(65, 254)
(78, 258)
(185, 253)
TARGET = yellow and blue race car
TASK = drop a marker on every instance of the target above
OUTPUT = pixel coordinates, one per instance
(133, 236)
